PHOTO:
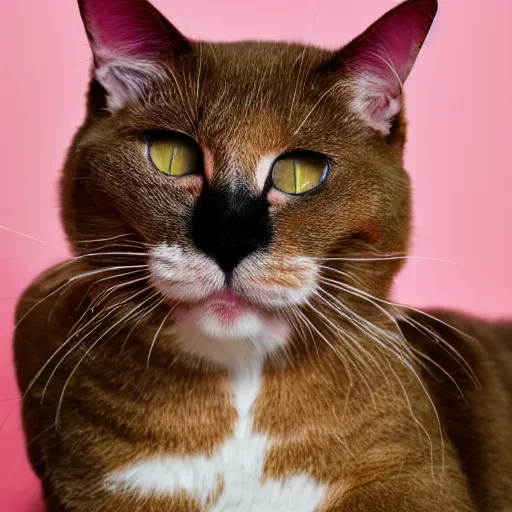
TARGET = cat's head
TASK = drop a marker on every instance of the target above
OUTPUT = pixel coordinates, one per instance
(254, 176)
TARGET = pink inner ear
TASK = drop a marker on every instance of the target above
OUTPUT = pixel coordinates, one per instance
(128, 28)
(392, 43)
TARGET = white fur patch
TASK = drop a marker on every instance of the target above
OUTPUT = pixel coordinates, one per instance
(263, 169)
(184, 274)
(234, 347)
(236, 468)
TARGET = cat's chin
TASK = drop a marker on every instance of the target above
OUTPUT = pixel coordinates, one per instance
(229, 331)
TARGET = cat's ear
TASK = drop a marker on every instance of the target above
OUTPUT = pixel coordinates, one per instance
(131, 42)
(377, 63)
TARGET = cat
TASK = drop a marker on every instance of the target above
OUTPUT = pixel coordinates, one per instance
(222, 339)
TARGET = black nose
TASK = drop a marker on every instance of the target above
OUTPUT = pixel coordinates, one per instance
(228, 225)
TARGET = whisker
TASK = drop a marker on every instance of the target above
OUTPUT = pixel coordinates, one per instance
(93, 240)
(450, 349)
(340, 272)
(124, 243)
(334, 328)
(142, 315)
(159, 330)
(410, 308)
(316, 105)
(114, 253)
(342, 287)
(302, 316)
(366, 327)
(404, 346)
(59, 349)
(72, 333)
(388, 258)
(73, 280)
(336, 331)
(295, 312)
(185, 104)
(86, 294)
(24, 235)
(330, 345)
(199, 73)
(387, 344)
(88, 351)
(422, 355)
(419, 423)
(124, 274)
(412, 351)
(297, 82)
(409, 366)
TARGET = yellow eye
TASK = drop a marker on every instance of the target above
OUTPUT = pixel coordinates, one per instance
(175, 155)
(297, 174)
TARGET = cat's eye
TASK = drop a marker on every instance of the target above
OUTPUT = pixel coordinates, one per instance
(174, 154)
(299, 173)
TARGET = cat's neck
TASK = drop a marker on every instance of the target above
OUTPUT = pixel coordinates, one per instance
(349, 347)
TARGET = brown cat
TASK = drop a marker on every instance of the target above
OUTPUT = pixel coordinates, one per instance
(222, 340)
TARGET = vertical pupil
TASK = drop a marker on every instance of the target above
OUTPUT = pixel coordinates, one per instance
(173, 156)
(296, 176)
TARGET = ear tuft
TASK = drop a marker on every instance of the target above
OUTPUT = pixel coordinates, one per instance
(130, 40)
(378, 62)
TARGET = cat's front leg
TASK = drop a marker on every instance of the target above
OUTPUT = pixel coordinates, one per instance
(413, 494)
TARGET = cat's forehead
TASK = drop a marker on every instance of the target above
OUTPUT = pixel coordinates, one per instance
(252, 98)
(252, 58)
(250, 80)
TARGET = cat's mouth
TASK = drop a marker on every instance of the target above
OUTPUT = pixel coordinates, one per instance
(226, 306)
(252, 308)
(226, 315)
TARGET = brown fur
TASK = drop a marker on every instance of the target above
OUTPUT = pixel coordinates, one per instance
(360, 421)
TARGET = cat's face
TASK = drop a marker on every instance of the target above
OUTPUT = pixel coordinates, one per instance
(243, 168)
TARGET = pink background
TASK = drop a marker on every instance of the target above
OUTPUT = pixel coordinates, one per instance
(458, 155)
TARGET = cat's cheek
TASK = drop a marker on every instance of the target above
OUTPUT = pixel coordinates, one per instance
(183, 275)
(370, 232)
(191, 184)
(102, 200)
(277, 281)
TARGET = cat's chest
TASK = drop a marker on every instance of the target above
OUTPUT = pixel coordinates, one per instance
(232, 478)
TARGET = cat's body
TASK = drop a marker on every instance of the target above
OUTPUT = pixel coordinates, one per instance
(224, 342)
(133, 437)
